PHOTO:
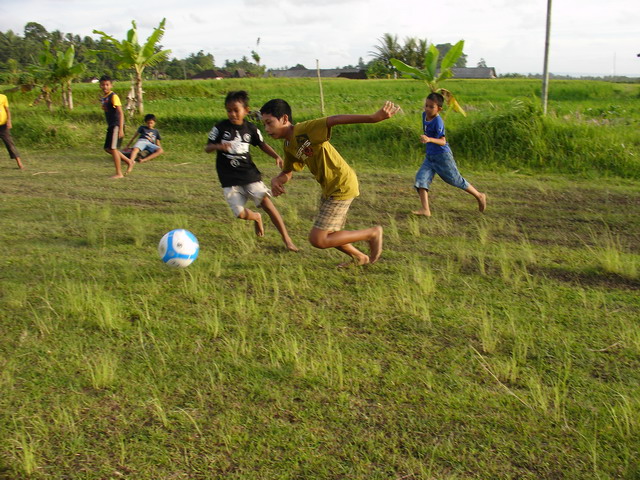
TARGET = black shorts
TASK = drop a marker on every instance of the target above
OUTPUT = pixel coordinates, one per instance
(112, 140)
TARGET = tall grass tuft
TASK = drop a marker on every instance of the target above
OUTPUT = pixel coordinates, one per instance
(519, 137)
(26, 446)
(102, 370)
(611, 257)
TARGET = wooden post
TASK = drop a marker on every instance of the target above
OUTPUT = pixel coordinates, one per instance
(320, 83)
(545, 74)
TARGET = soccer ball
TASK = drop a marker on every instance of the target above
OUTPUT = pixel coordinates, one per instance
(178, 248)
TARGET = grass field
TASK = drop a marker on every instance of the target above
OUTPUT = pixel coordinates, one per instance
(503, 345)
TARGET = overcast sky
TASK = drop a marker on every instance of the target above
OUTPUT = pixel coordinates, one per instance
(588, 37)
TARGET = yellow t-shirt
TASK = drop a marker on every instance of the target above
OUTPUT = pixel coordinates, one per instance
(4, 104)
(311, 147)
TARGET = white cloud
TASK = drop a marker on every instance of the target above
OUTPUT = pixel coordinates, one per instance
(587, 35)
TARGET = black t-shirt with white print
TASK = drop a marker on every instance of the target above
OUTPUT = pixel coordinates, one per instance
(236, 167)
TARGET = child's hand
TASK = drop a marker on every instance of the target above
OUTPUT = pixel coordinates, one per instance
(279, 162)
(388, 110)
(277, 186)
(424, 139)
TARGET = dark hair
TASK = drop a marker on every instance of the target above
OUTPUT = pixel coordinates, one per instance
(278, 108)
(106, 78)
(149, 116)
(239, 96)
(437, 98)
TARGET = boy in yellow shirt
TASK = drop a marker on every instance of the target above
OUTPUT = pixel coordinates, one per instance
(307, 143)
(5, 130)
(115, 126)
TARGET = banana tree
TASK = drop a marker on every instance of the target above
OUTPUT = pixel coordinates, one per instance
(64, 72)
(430, 74)
(131, 55)
(56, 70)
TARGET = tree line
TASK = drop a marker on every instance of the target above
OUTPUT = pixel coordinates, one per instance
(50, 61)
(19, 52)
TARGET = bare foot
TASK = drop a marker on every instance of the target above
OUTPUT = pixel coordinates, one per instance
(375, 245)
(20, 165)
(424, 213)
(356, 262)
(259, 227)
(129, 167)
(291, 246)
(482, 202)
(117, 176)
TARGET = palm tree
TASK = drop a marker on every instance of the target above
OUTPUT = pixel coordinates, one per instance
(130, 54)
(256, 57)
(414, 51)
(389, 48)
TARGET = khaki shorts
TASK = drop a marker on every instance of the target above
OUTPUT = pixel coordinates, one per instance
(332, 214)
(238, 195)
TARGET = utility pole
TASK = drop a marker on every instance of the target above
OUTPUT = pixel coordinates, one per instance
(545, 73)
(320, 83)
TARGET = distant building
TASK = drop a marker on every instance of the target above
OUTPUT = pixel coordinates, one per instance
(210, 75)
(302, 72)
(474, 72)
(219, 74)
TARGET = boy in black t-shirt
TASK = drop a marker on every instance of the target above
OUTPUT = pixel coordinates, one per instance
(239, 176)
(148, 140)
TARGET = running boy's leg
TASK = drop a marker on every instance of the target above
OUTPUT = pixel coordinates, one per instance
(268, 206)
(327, 232)
(446, 167)
(424, 177)
(423, 194)
(479, 196)
(343, 239)
(247, 214)
(236, 198)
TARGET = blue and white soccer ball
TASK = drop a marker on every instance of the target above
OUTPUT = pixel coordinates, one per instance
(178, 248)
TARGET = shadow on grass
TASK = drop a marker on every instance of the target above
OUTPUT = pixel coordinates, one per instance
(588, 278)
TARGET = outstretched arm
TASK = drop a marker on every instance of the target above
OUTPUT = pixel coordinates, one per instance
(388, 110)
(135, 135)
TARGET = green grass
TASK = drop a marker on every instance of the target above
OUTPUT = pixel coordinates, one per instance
(591, 129)
(495, 346)
(503, 345)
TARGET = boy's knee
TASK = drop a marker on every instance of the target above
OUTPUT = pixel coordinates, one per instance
(318, 239)
(241, 213)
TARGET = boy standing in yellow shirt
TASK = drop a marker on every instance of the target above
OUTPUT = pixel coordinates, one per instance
(5, 130)
(307, 143)
(115, 126)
